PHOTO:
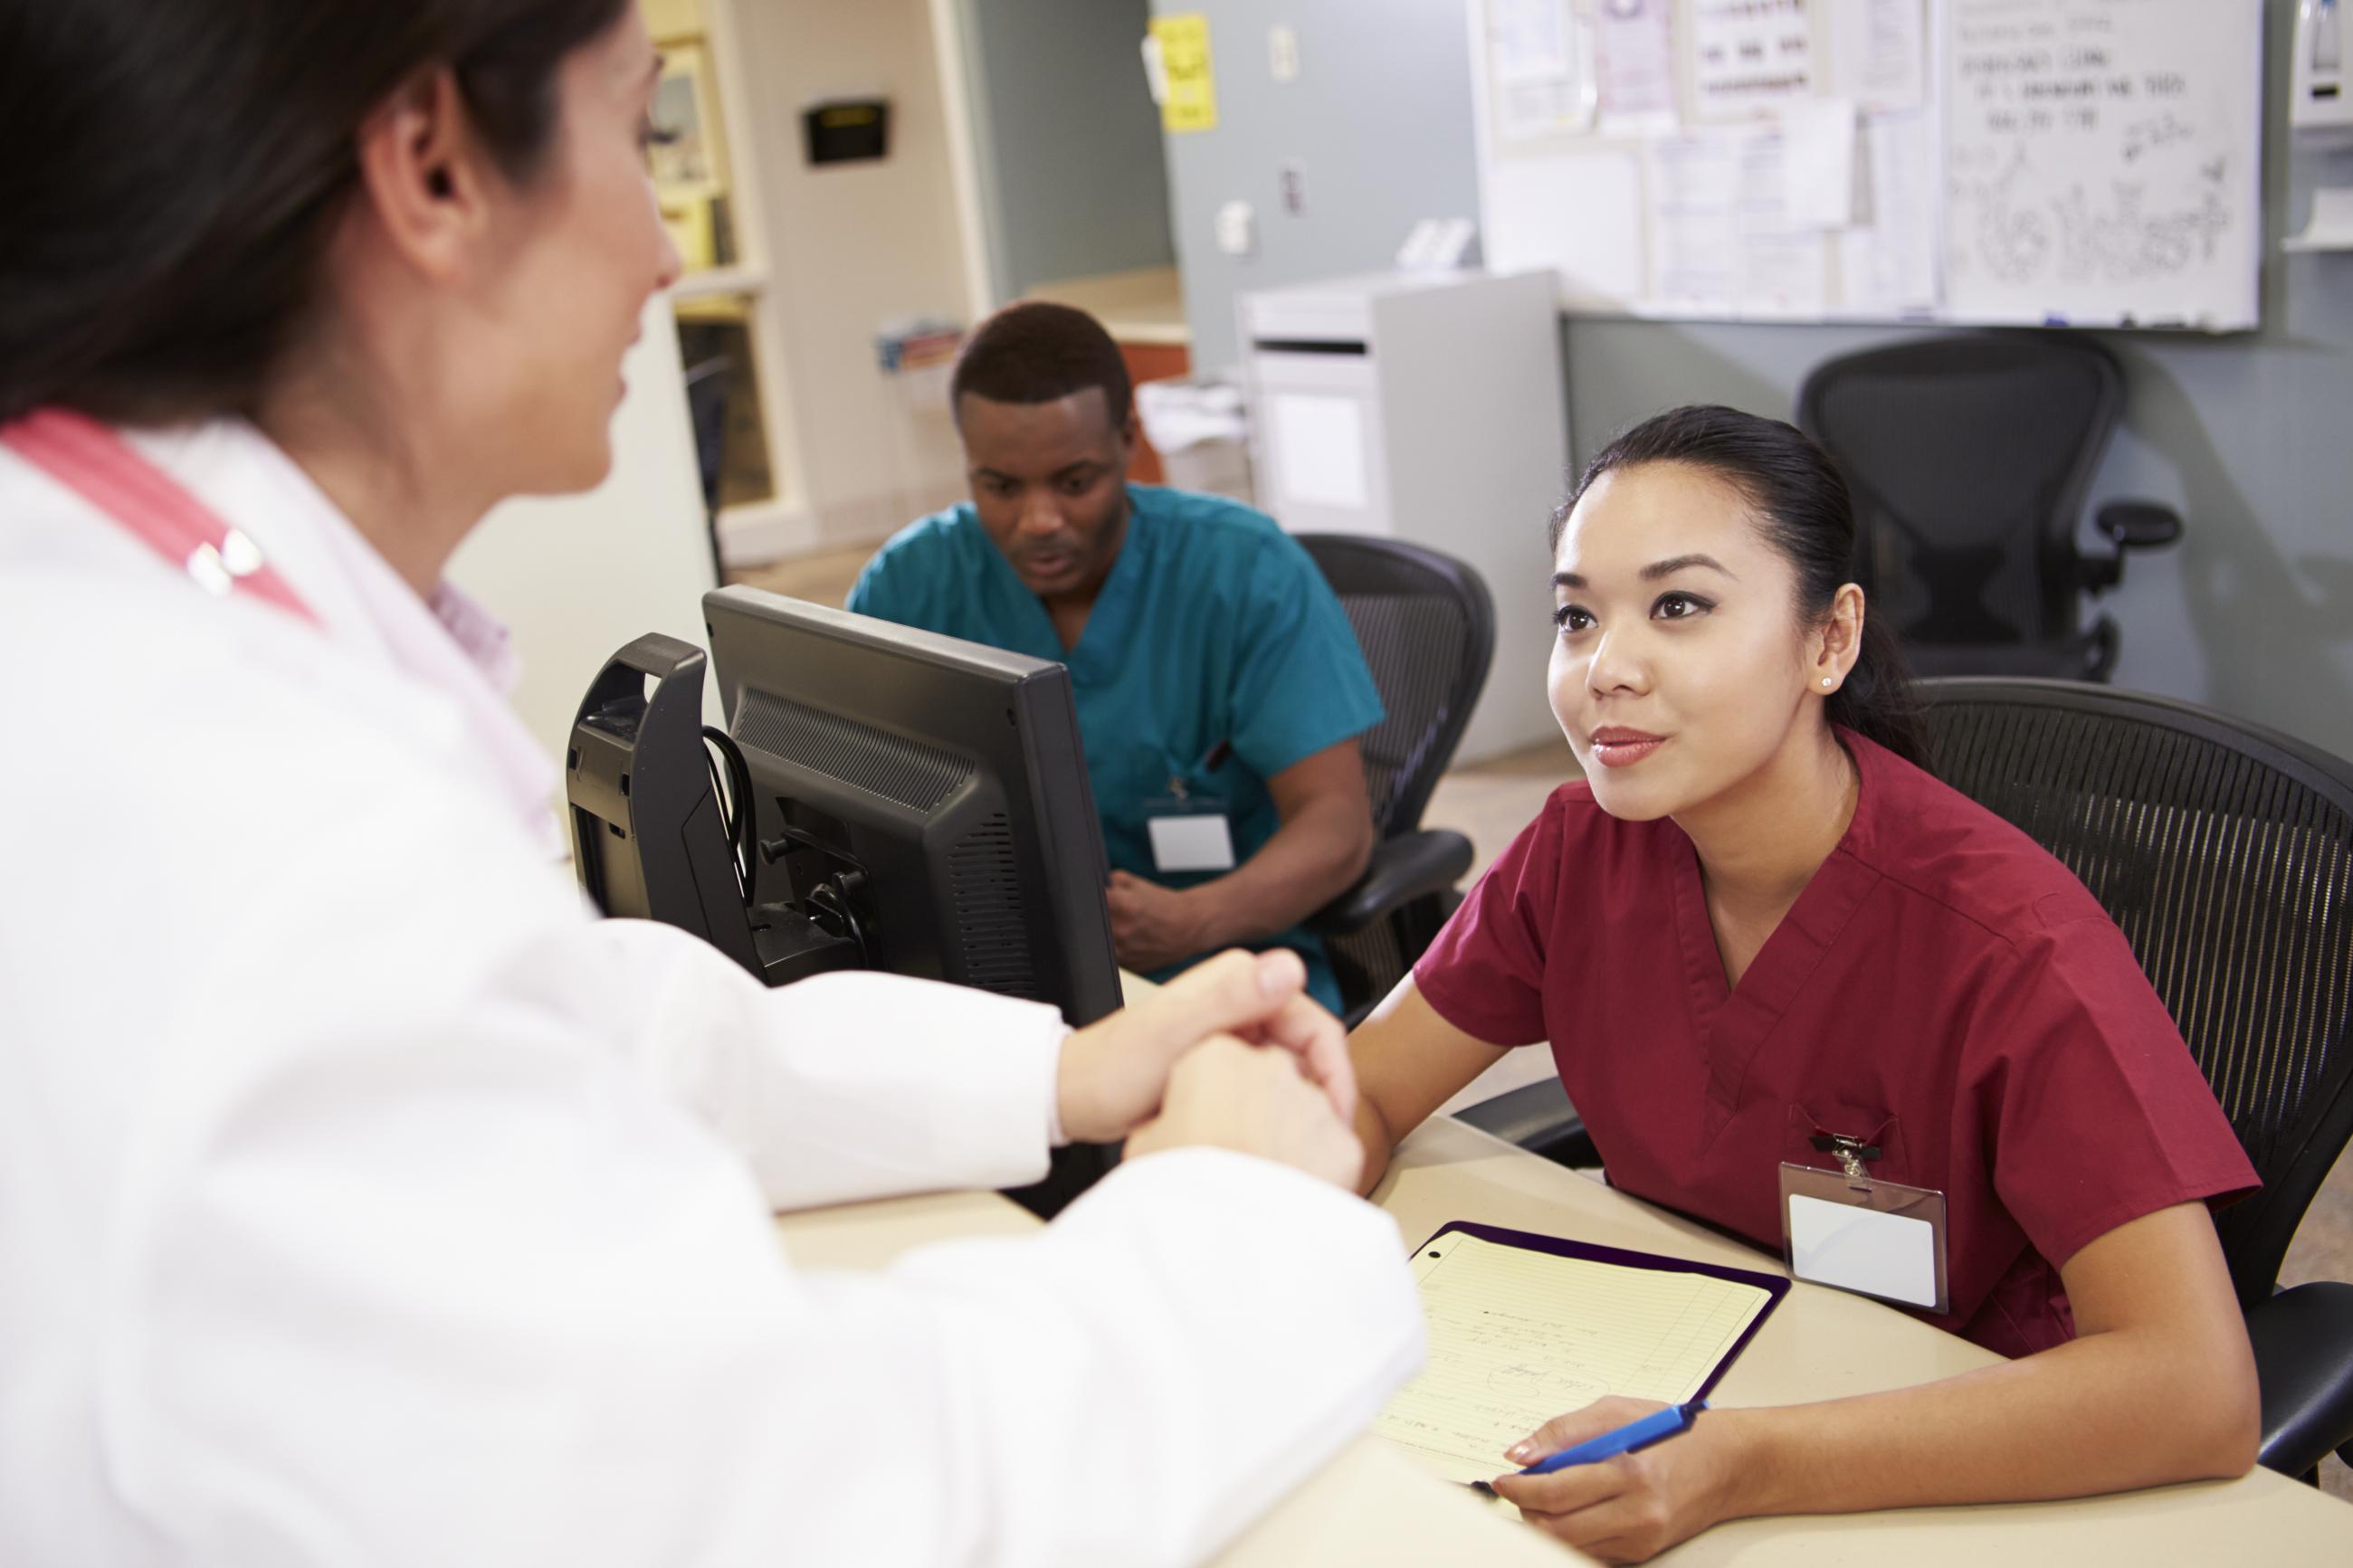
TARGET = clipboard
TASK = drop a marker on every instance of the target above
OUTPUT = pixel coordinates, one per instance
(1526, 1327)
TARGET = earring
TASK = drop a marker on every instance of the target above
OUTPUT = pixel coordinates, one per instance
(1826, 680)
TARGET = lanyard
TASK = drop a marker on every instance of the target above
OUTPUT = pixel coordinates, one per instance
(151, 506)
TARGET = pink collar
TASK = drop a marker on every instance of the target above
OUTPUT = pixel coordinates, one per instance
(225, 505)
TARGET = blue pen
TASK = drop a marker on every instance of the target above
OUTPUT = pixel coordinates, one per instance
(1652, 1428)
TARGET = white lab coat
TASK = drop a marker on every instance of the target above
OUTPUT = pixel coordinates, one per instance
(365, 1201)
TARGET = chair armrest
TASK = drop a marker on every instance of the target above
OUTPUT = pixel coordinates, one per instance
(2302, 1338)
(1539, 1119)
(2129, 525)
(2138, 524)
(1407, 867)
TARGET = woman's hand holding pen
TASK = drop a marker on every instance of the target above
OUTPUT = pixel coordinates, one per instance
(1630, 1507)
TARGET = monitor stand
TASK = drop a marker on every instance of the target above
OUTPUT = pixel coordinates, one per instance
(649, 838)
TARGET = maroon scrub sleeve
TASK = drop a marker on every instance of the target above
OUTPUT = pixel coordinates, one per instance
(2101, 1114)
(1484, 974)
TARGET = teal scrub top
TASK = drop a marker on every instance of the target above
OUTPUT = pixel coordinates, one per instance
(1214, 626)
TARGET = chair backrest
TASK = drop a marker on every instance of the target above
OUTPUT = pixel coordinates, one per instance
(1427, 627)
(707, 387)
(1970, 458)
(2224, 851)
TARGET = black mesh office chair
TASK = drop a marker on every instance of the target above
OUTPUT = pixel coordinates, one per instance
(1969, 458)
(708, 385)
(1427, 627)
(2225, 853)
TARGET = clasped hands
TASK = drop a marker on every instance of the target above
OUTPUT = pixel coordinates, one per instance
(1231, 1054)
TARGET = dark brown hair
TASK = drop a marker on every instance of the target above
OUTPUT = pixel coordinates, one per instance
(1803, 507)
(180, 165)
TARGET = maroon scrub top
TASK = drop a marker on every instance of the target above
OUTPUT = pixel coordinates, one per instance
(1943, 987)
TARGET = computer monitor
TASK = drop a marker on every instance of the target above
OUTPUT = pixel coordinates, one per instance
(927, 794)
(897, 800)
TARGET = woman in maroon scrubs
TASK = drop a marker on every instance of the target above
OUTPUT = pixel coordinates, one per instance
(1757, 918)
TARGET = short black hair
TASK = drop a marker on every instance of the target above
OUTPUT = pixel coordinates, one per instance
(182, 164)
(1036, 353)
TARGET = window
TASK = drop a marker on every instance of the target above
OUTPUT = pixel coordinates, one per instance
(704, 192)
(690, 157)
(723, 394)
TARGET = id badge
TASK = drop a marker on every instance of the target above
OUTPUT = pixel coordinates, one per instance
(1190, 833)
(1844, 1228)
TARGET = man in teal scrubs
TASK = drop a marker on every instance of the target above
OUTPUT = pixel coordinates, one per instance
(1219, 688)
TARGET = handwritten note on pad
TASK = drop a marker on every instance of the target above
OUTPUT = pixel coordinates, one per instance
(1526, 1329)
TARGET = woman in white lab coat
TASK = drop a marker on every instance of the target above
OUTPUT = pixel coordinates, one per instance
(361, 1199)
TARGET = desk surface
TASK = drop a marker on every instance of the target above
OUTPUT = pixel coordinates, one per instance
(1823, 1343)
(1370, 1506)
(1373, 1506)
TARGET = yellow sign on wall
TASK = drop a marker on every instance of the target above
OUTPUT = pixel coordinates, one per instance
(1190, 102)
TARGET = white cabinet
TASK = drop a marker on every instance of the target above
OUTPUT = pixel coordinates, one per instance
(1427, 407)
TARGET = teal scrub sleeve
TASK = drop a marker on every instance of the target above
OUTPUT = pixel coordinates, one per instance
(1299, 684)
(874, 594)
(907, 580)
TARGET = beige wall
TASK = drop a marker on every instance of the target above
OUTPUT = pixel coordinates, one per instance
(577, 577)
(850, 245)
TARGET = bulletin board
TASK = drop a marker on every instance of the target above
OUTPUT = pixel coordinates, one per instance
(2086, 163)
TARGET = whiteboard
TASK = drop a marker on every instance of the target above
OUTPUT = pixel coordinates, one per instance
(2091, 163)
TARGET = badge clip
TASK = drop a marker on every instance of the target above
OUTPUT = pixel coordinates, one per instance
(1857, 1231)
(1850, 1153)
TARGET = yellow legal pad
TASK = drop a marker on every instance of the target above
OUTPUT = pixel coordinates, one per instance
(1523, 1328)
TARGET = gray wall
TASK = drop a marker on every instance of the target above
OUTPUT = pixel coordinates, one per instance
(1378, 121)
(2250, 435)
(1067, 137)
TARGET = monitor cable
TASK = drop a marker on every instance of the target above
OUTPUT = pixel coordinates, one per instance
(733, 791)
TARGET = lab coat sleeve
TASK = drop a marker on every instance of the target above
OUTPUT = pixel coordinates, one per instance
(1191, 1340)
(842, 1086)
(478, 1297)
(436, 1243)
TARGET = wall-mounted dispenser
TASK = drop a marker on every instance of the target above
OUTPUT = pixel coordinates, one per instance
(2320, 116)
